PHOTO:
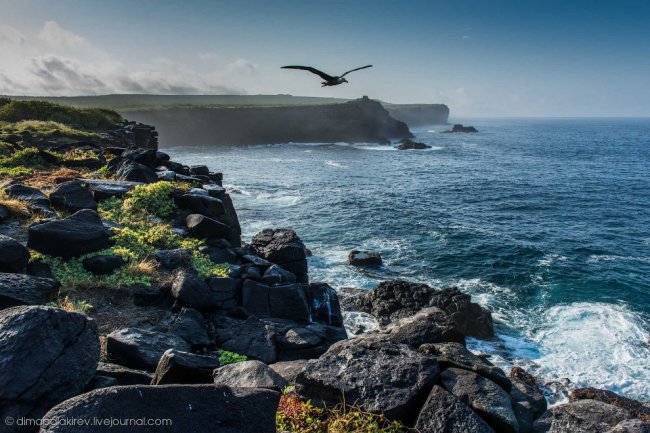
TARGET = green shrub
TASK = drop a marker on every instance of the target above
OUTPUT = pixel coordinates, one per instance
(152, 199)
(206, 268)
(15, 172)
(226, 357)
(29, 157)
(83, 118)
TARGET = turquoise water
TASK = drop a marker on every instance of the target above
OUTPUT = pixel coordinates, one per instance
(547, 222)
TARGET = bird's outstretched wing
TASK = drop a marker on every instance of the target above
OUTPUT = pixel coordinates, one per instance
(321, 74)
(356, 69)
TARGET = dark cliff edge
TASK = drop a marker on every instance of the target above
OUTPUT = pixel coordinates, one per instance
(419, 114)
(361, 120)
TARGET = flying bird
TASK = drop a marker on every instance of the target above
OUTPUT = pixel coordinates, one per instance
(329, 80)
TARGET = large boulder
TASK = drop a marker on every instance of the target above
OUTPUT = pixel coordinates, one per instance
(103, 264)
(78, 234)
(430, 325)
(305, 340)
(251, 337)
(46, 356)
(285, 302)
(457, 356)
(527, 398)
(202, 226)
(173, 259)
(444, 413)
(141, 349)
(134, 172)
(397, 299)
(183, 367)
(364, 258)
(249, 374)
(179, 408)
(21, 289)
(73, 196)
(103, 189)
(636, 408)
(289, 370)
(484, 396)
(377, 374)
(13, 255)
(282, 247)
(191, 327)
(193, 291)
(201, 204)
(583, 416)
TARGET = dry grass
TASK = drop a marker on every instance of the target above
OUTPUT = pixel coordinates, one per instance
(48, 178)
(143, 267)
(17, 208)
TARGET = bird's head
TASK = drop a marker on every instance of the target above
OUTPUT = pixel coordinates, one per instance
(343, 80)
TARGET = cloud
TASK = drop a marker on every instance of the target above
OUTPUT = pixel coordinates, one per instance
(59, 62)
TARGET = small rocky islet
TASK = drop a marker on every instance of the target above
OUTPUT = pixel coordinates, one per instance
(127, 293)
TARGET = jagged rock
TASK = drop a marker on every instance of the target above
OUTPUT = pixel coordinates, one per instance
(430, 325)
(583, 416)
(141, 349)
(103, 265)
(21, 289)
(124, 375)
(182, 367)
(146, 157)
(484, 396)
(225, 292)
(145, 295)
(214, 190)
(631, 426)
(190, 408)
(289, 369)
(527, 398)
(408, 144)
(193, 291)
(282, 247)
(199, 170)
(220, 255)
(161, 158)
(78, 234)
(104, 189)
(444, 413)
(73, 196)
(191, 327)
(46, 356)
(636, 408)
(166, 175)
(460, 128)
(275, 275)
(457, 356)
(393, 300)
(364, 258)
(379, 375)
(284, 302)
(13, 255)
(201, 204)
(304, 341)
(4, 213)
(230, 218)
(134, 172)
(33, 196)
(249, 374)
(201, 226)
(325, 306)
(250, 337)
(172, 259)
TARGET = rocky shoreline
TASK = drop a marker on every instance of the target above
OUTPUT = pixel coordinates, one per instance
(126, 293)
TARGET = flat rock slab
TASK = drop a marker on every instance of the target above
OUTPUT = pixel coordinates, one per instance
(22, 289)
(182, 408)
(583, 416)
(124, 375)
(141, 349)
(46, 356)
(430, 325)
(484, 396)
(249, 374)
(183, 367)
(442, 412)
(377, 374)
(103, 189)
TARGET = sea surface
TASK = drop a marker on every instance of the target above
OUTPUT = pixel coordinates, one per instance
(544, 221)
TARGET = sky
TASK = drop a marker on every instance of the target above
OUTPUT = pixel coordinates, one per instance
(482, 58)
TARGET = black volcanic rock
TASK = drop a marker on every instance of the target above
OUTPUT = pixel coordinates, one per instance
(78, 234)
(429, 325)
(103, 265)
(636, 408)
(21, 289)
(249, 374)
(141, 349)
(408, 144)
(73, 196)
(182, 367)
(202, 226)
(190, 408)
(13, 255)
(582, 416)
(124, 375)
(364, 258)
(442, 412)
(460, 128)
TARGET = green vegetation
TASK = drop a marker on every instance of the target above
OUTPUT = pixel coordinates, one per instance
(80, 118)
(226, 357)
(45, 129)
(68, 304)
(296, 415)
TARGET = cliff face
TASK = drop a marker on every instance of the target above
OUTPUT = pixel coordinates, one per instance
(419, 114)
(361, 120)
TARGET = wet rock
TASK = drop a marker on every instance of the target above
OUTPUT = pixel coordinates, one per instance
(430, 325)
(124, 375)
(172, 259)
(289, 369)
(201, 226)
(325, 306)
(47, 355)
(484, 396)
(183, 367)
(78, 234)
(583, 416)
(250, 337)
(190, 408)
(141, 349)
(636, 408)
(408, 144)
(103, 265)
(249, 374)
(21, 289)
(457, 356)
(73, 196)
(284, 302)
(364, 258)
(442, 412)
(275, 275)
(379, 375)
(191, 327)
(527, 398)
(13, 255)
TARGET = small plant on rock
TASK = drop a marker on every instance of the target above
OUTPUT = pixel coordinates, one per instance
(226, 357)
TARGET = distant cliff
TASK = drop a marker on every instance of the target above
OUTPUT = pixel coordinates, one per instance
(419, 114)
(361, 120)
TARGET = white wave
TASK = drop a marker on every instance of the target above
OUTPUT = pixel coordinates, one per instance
(355, 321)
(549, 259)
(595, 258)
(336, 164)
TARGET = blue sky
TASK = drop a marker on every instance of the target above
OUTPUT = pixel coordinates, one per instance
(497, 58)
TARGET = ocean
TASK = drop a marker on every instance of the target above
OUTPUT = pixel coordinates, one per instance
(544, 221)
